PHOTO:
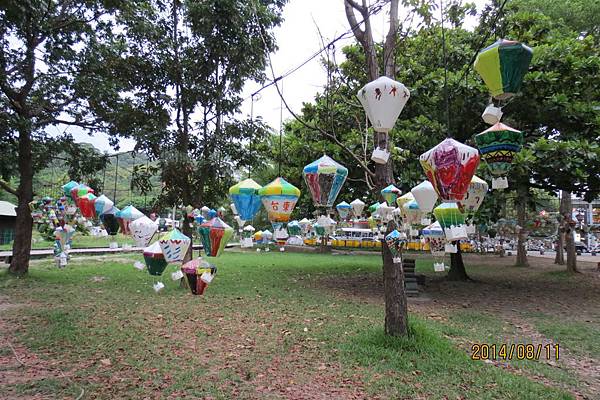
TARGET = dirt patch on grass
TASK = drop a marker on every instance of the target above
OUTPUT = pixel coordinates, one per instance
(22, 369)
(509, 293)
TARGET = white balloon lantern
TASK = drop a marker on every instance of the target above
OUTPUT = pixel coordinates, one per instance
(383, 100)
(426, 197)
(385, 212)
(357, 207)
(142, 230)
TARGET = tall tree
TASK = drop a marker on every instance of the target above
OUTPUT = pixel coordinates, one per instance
(189, 62)
(558, 111)
(396, 312)
(50, 51)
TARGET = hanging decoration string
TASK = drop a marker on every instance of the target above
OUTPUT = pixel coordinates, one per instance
(484, 39)
(376, 8)
(446, 97)
(251, 135)
(280, 128)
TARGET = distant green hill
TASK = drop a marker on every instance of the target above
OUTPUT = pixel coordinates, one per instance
(49, 181)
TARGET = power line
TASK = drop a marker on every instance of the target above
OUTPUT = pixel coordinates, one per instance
(374, 10)
(482, 43)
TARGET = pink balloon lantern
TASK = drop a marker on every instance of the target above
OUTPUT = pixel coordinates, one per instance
(450, 166)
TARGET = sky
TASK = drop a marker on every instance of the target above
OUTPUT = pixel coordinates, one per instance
(297, 39)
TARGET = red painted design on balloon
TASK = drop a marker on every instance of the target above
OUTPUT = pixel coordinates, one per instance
(313, 185)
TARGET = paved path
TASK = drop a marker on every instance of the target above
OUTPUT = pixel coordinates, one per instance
(42, 253)
(551, 254)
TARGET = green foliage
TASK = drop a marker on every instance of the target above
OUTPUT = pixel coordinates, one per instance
(558, 108)
(183, 114)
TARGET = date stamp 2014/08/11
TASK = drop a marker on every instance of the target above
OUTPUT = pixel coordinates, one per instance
(515, 351)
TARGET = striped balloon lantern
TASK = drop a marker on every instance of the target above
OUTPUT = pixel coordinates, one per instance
(450, 166)
(279, 199)
(502, 67)
(324, 178)
(498, 146)
(215, 235)
(245, 198)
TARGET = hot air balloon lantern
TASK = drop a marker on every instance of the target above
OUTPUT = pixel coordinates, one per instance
(502, 67)
(142, 231)
(383, 100)
(357, 207)
(327, 223)
(215, 235)
(267, 236)
(384, 211)
(279, 199)
(103, 205)
(425, 196)
(405, 198)
(373, 208)
(86, 205)
(126, 215)
(199, 274)
(396, 241)
(324, 178)
(498, 146)
(245, 198)
(67, 187)
(450, 166)
(64, 235)
(247, 236)
(174, 245)
(343, 210)
(434, 236)
(155, 259)
(451, 220)
(80, 191)
(304, 225)
(204, 210)
(412, 213)
(390, 194)
(110, 221)
(474, 197)
(319, 230)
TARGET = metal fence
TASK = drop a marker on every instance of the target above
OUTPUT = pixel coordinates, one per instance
(7, 236)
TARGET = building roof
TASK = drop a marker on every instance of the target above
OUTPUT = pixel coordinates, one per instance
(7, 209)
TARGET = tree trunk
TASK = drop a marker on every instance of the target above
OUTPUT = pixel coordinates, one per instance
(560, 244)
(19, 264)
(393, 276)
(396, 312)
(522, 197)
(568, 225)
(457, 270)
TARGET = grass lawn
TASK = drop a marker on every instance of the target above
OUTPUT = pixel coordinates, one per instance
(298, 326)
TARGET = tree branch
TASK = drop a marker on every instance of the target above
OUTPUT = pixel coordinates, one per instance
(86, 125)
(389, 46)
(4, 185)
(354, 25)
